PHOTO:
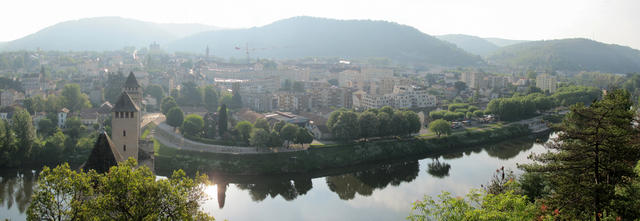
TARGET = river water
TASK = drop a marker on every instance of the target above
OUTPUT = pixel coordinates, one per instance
(382, 191)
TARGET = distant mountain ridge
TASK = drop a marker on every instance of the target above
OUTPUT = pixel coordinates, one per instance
(103, 33)
(471, 44)
(575, 54)
(319, 37)
(501, 42)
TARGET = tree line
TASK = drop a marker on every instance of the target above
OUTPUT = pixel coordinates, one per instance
(592, 173)
(258, 134)
(21, 144)
(348, 125)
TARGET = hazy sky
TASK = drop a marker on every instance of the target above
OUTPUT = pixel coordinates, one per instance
(608, 21)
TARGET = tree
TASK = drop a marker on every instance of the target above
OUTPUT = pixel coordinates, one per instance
(192, 125)
(46, 127)
(384, 124)
(222, 120)
(73, 98)
(368, 123)
(412, 120)
(288, 132)
(167, 104)
(155, 91)
(298, 86)
(53, 148)
(73, 127)
(274, 139)
(8, 146)
(459, 86)
(591, 158)
(210, 126)
(278, 126)
(476, 205)
(440, 127)
(303, 136)
(236, 100)
(22, 126)
(190, 95)
(211, 98)
(175, 117)
(261, 123)
(259, 137)
(244, 130)
(346, 127)
(126, 192)
(113, 87)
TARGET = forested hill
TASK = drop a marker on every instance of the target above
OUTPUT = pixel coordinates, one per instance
(102, 33)
(471, 44)
(569, 54)
(318, 37)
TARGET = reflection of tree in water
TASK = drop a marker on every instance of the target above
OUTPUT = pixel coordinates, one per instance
(364, 182)
(288, 189)
(508, 150)
(16, 187)
(438, 169)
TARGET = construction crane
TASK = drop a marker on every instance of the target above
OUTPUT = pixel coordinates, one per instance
(247, 50)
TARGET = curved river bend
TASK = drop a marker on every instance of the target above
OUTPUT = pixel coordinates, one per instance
(371, 192)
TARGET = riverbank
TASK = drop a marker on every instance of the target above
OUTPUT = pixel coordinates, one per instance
(327, 157)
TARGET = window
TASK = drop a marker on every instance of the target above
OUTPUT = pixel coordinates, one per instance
(131, 114)
(126, 114)
(124, 148)
(124, 133)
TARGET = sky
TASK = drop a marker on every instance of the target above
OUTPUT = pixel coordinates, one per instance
(609, 21)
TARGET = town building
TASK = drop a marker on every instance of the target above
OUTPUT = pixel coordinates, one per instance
(547, 82)
(402, 97)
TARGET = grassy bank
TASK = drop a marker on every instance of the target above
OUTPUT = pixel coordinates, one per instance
(333, 156)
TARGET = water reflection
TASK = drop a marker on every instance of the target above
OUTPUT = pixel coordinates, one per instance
(364, 182)
(438, 169)
(16, 187)
(287, 189)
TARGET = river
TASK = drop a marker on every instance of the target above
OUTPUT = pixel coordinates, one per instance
(382, 191)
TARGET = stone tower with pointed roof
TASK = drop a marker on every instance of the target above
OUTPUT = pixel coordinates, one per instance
(134, 90)
(125, 126)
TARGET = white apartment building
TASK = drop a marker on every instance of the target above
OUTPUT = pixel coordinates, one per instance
(402, 97)
(547, 82)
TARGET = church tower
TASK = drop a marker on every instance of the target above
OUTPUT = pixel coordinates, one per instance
(134, 90)
(125, 125)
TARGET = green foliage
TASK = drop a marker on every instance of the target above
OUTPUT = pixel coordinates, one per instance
(288, 132)
(261, 123)
(155, 91)
(236, 100)
(211, 98)
(440, 127)
(25, 134)
(175, 117)
(46, 127)
(346, 126)
(73, 99)
(222, 120)
(591, 159)
(114, 85)
(259, 137)
(577, 54)
(244, 130)
(190, 95)
(368, 124)
(193, 125)
(126, 192)
(303, 136)
(167, 104)
(476, 205)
